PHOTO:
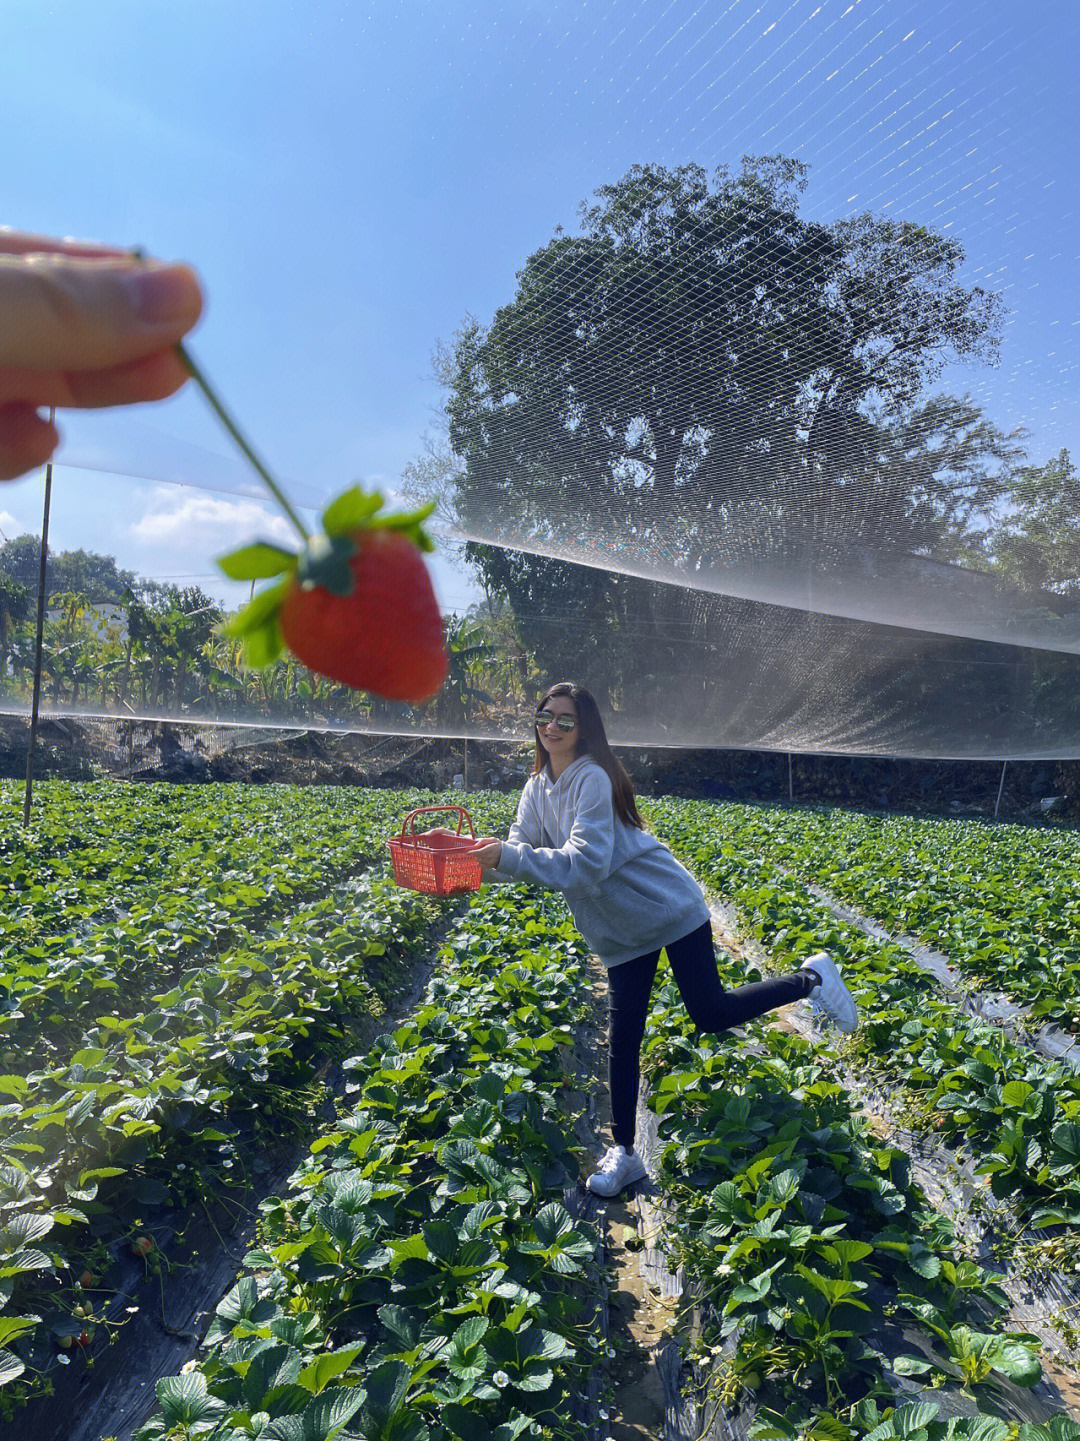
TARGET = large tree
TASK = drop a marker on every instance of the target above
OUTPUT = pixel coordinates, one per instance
(702, 377)
(83, 572)
(1037, 544)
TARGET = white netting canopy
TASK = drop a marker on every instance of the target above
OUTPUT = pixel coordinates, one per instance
(756, 339)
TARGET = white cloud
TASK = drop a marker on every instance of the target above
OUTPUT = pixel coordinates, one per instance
(9, 525)
(209, 523)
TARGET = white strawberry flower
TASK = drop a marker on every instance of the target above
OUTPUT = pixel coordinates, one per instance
(501, 1379)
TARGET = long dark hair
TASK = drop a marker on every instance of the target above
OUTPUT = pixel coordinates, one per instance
(593, 741)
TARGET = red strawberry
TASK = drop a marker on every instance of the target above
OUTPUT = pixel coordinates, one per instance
(356, 605)
(385, 635)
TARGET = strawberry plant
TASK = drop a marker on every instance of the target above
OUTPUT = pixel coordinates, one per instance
(140, 1104)
(1017, 1110)
(998, 899)
(423, 1272)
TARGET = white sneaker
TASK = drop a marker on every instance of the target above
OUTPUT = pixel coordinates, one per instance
(832, 998)
(618, 1169)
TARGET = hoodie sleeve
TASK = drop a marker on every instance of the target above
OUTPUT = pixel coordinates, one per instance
(526, 827)
(585, 858)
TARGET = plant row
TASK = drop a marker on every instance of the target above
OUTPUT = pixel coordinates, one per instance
(422, 1278)
(151, 1109)
(92, 846)
(822, 1275)
(238, 869)
(1000, 901)
(1018, 1112)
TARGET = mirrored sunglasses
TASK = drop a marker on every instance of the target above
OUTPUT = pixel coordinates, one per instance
(563, 722)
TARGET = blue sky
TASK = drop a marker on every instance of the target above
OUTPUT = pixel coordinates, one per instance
(353, 180)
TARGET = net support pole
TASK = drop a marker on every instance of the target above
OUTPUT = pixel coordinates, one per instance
(466, 766)
(1001, 787)
(790, 779)
(35, 705)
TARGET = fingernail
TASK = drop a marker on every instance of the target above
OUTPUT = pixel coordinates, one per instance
(163, 294)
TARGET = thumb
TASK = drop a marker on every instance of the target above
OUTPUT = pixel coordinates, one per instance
(60, 312)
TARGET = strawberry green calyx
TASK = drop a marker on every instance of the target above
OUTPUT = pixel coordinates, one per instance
(358, 509)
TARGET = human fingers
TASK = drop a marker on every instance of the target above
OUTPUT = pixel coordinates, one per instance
(151, 378)
(26, 441)
(64, 313)
(22, 242)
(488, 853)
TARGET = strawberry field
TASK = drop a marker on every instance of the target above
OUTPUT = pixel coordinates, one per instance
(233, 1048)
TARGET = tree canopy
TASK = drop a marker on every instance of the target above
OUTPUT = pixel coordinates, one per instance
(1038, 542)
(82, 572)
(703, 374)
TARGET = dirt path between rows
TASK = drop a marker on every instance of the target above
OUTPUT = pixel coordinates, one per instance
(639, 1313)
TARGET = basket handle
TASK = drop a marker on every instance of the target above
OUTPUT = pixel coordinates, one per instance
(462, 815)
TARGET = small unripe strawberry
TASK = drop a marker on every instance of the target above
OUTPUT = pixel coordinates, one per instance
(65, 1342)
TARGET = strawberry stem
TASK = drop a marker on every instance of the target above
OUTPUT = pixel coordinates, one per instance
(230, 425)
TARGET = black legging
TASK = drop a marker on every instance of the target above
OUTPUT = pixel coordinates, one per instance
(711, 1008)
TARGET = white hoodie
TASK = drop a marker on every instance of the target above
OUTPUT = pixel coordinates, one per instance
(627, 892)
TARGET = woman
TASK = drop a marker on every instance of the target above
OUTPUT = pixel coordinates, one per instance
(578, 831)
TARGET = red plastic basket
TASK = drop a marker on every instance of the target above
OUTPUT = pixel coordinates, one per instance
(436, 862)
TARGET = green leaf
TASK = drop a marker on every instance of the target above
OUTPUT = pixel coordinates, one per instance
(410, 523)
(257, 562)
(29, 1227)
(771, 1426)
(848, 1252)
(263, 646)
(327, 1414)
(829, 1428)
(1058, 1428)
(270, 1369)
(327, 1367)
(903, 1423)
(1015, 1093)
(910, 1365)
(1017, 1360)
(184, 1401)
(11, 1327)
(978, 1428)
(261, 609)
(11, 1368)
(1066, 1142)
(384, 1416)
(351, 511)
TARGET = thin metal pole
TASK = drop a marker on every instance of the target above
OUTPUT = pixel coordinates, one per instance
(466, 766)
(790, 783)
(1001, 787)
(29, 793)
